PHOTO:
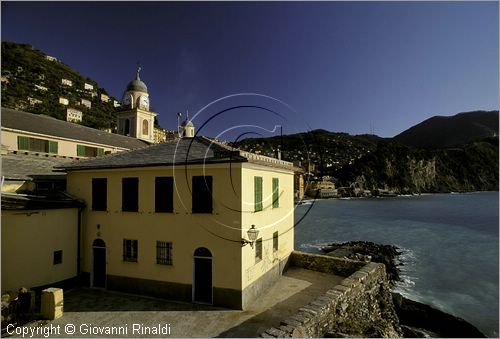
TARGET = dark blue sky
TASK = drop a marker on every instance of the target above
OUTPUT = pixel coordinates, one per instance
(342, 66)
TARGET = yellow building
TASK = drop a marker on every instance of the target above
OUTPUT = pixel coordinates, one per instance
(39, 226)
(189, 219)
(174, 220)
(24, 132)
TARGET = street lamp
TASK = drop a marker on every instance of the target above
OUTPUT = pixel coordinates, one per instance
(252, 236)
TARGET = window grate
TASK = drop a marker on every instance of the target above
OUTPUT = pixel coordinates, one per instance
(163, 252)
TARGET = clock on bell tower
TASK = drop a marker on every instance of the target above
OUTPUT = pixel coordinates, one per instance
(136, 120)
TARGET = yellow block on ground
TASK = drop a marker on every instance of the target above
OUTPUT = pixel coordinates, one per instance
(52, 303)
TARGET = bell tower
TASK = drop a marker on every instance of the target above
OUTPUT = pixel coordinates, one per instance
(136, 120)
(186, 129)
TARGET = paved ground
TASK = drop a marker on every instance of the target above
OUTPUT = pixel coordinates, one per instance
(92, 311)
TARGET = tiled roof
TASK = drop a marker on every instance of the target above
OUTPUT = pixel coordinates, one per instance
(42, 124)
(185, 151)
(14, 201)
(24, 167)
(196, 150)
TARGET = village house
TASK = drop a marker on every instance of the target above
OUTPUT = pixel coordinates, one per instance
(40, 223)
(174, 220)
(29, 133)
(190, 219)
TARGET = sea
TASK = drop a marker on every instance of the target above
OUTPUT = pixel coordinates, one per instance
(449, 245)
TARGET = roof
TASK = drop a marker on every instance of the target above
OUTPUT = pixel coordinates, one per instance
(26, 167)
(137, 85)
(185, 151)
(42, 124)
(187, 123)
(14, 201)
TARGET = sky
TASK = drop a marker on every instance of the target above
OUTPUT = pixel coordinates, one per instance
(354, 67)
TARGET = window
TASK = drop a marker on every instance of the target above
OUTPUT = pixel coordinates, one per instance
(90, 152)
(202, 194)
(145, 127)
(258, 193)
(127, 127)
(275, 241)
(130, 194)
(163, 253)
(57, 257)
(164, 194)
(129, 250)
(258, 250)
(36, 145)
(276, 193)
(99, 194)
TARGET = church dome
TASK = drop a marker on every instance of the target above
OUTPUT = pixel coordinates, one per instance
(187, 123)
(137, 85)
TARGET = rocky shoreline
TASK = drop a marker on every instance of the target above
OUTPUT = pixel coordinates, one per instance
(417, 320)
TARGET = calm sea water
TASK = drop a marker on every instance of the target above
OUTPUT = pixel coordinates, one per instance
(449, 242)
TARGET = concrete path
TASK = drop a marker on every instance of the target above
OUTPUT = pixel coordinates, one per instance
(93, 313)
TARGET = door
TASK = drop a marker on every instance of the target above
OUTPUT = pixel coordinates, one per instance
(202, 280)
(99, 264)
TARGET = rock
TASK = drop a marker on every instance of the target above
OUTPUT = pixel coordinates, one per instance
(411, 332)
(430, 321)
(368, 251)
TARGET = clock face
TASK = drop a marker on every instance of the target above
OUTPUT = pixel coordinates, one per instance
(144, 102)
(126, 99)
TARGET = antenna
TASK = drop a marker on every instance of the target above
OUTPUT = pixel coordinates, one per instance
(179, 114)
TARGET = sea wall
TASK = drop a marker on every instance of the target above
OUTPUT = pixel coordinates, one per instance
(325, 263)
(360, 306)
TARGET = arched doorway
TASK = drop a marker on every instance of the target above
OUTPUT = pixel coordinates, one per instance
(98, 278)
(202, 276)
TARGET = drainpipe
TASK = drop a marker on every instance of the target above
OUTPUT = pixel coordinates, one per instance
(78, 258)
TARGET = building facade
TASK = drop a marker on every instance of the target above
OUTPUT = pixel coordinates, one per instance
(24, 132)
(39, 227)
(188, 219)
(172, 221)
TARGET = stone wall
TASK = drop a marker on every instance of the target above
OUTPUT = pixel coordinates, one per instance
(325, 263)
(360, 306)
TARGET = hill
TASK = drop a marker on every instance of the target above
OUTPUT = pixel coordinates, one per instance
(460, 129)
(373, 163)
(35, 82)
(325, 150)
(405, 169)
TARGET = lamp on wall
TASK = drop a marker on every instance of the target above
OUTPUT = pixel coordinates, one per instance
(252, 236)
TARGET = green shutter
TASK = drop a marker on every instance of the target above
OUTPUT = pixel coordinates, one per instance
(53, 147)
(276, 193)
(80, 150)
(23, 143)
(100, 152)
(258, 193)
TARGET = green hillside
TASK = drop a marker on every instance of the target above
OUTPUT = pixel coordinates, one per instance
(327, 151)
(403, 169)
(32, 82)
(372, 163)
